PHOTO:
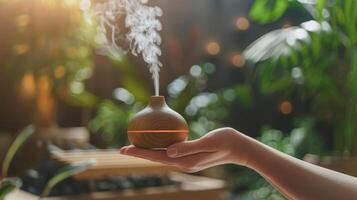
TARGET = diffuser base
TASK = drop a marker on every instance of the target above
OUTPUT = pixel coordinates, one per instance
(154, 139)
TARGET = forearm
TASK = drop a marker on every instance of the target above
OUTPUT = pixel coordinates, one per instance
(295, 178)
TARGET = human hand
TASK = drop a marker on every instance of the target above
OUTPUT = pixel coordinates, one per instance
(220, 146)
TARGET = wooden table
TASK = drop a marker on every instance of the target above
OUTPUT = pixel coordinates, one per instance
(111, 163)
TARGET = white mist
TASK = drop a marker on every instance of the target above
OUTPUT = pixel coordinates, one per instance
(143, 35)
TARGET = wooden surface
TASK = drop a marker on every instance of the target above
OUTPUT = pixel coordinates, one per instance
(192, 188)
(157, 126)
(111, 163)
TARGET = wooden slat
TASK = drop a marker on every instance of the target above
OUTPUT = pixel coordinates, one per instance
(111, 163)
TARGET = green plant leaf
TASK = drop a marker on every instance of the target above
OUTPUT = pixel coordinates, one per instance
(66, 172)
(15, 146)
(244, 93)
(132, 81)
(352, 76)
(85, 99)
(265, 11)
(111, 122)
(7, 185)
(276, 44)
(320, 6)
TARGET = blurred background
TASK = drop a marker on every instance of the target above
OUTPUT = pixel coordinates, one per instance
(284, 72)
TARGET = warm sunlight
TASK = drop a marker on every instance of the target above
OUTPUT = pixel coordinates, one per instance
(178, 99)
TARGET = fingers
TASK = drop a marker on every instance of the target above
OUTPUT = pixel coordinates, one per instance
(158, 156)
(207, 143)
(188, 148)
(188, 164)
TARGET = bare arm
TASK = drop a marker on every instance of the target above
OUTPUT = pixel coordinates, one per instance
(294, 178)
(297, 179)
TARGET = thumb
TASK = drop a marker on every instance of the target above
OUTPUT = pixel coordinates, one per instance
(185, 148)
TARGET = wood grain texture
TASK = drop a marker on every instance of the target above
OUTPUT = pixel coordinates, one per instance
(110, 163)
(157, 126)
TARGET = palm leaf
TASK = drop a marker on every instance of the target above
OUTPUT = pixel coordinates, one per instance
(66, 172)
(281, 42)
(15, 146)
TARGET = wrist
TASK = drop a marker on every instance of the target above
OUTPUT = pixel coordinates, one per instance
(242, 150)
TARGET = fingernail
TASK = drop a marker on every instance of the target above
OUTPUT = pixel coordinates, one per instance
(172, 152)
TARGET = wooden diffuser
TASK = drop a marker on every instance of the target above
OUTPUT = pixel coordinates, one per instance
(157, 126)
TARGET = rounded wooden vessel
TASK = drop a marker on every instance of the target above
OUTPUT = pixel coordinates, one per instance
(157, 126)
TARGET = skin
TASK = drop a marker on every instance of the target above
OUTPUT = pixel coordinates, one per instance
(294, 178)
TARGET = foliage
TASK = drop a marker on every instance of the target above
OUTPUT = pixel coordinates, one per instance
(23, 136)
(296, 143)
(55, 52)
(272, 10)
(7, 185)
(113, 115)
(315, 64)
(132, 80)
(111, 121)
(66, 172)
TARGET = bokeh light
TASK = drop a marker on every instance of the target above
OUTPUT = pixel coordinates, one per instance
(229, 95)
(123, 95)
(237, 60)
(195, 71)
(209, 68)
(59, 71)
(177, 86)
(28, 85)
(297, 75)
(242, 23)
(77, 87)
(21, 49)
(213, 48)
(22, 20)
(85, 5)
(286, 24)
(286, 107)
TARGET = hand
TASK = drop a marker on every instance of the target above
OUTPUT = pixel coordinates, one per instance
(220, 146)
